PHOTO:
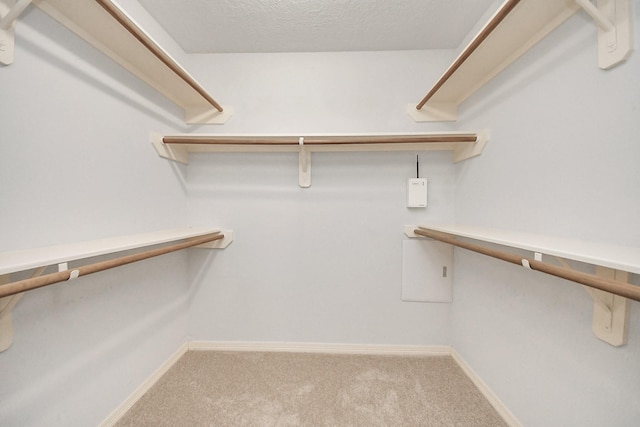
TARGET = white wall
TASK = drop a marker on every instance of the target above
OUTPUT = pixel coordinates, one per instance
(76, 164)
(321, 264)
(563, 161)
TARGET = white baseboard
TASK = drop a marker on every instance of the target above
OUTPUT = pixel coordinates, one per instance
(497, 404)
(328, 348)
(373, 349)
(115, 416)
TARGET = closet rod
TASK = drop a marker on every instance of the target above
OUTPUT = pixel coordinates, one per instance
(319, 140)
(50, 279)
(506, 8)
(156, 50)
(613, 286)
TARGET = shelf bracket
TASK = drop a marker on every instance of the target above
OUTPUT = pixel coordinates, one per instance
(434, 112)
(304, 165)
(218, 244)
(615, 38)
(8, 17)
(610, 312)
(7, 304)
(465, 152)
(177, 154)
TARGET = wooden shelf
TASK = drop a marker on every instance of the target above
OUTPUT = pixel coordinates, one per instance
(516, 27)
(464, 145)
(108, 28)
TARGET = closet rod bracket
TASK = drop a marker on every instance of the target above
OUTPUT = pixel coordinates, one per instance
(169, 152)
(7, 304)
(304, 165)
(615, 35)
(8, 16)
(610, 312)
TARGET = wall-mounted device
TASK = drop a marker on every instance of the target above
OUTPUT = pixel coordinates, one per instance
(417, 189)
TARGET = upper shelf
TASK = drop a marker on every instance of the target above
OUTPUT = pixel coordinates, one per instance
(516, 27)
(623, 258)
(177, 147)
(463, 144)
(111, 30)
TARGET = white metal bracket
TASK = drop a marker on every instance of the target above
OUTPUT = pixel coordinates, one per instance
(615, 36)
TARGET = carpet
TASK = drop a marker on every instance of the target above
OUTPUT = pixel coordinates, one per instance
(217, 388)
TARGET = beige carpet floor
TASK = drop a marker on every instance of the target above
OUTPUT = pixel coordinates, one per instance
(208, 388)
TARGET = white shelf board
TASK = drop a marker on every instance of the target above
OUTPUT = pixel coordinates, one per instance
(623, 258)
(528, 23)
(95, 25)
(21, 260)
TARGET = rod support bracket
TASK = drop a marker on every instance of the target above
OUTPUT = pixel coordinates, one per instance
(610, 312)
(615, 35)
(218, 244)
(9, 13)
(6, 317)
(169, 152)
(304, 165)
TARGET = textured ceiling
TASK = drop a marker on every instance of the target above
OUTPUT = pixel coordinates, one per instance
(216, 26)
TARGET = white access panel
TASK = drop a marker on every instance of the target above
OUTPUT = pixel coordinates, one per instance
(427, 267)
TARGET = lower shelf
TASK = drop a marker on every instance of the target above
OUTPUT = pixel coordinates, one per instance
(40, 259)
(609, 287)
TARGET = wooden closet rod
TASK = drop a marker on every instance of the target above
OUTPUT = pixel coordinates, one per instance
(319, 140)
(156, 50)
(475, 43)
(50, 279)
(613, 286)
